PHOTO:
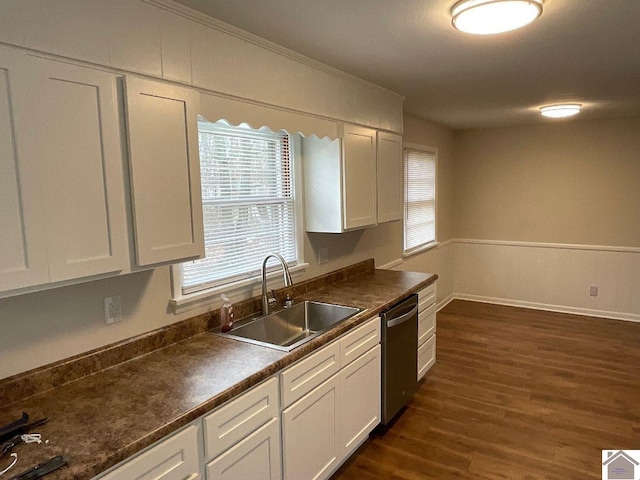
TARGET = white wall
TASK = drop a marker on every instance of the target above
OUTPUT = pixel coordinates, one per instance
(547, 276)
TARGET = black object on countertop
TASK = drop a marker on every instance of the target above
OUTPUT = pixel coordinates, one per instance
(41, 470)
(17, 432)
(10, 429)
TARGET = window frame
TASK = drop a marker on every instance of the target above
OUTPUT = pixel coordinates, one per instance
(428, 244)
(250, 285)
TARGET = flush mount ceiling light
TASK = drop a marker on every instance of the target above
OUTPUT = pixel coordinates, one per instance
(494, 16)
(560, 111)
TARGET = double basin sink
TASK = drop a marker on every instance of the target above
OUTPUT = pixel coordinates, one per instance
(291, 327)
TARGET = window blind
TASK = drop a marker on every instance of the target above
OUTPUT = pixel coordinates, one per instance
(248, 208)
(420, 198)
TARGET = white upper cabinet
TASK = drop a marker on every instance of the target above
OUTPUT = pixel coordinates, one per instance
(390, 178)
(62, 200)
(23, 260)
(340, 181)
(80, 162)
(165, 171)
(359, 165)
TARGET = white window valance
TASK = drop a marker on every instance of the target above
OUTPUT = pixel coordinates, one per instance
(236, 112)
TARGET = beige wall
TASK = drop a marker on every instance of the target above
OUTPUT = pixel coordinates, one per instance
(431, 134)
(437, 260)
(563, 182)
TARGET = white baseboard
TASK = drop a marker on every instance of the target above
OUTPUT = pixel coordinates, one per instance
(444, 302)
(630, 317)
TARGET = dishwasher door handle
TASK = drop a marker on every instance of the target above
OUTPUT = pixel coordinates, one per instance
(403, 318)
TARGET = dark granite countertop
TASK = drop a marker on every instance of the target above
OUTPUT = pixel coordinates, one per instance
(102, 418)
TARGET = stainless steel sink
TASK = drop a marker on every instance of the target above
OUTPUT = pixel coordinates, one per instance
(291, 327)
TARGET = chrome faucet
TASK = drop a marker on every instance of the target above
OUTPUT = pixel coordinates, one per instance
(266, 302)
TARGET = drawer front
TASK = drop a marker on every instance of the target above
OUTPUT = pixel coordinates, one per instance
(426, 323)
(257, 457)
(426, 356)
(235, 420)
(308, 373)
(427, 296)
(359, 341)
(175, 458)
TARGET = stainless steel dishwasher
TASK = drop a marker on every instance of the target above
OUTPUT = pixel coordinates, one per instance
(399, 356)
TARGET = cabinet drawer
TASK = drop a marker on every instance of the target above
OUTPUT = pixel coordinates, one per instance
(310, 372)
(426, 323)
(359, 341)
(426, 356)
(237, 419)
(256, 457)
(426, 296)
(173, 459)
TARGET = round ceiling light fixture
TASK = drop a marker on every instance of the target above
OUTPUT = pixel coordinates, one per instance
(485, 17)
(561, 110)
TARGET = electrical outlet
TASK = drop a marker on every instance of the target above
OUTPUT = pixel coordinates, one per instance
(593, 290)
(323, 255)
(112, 309)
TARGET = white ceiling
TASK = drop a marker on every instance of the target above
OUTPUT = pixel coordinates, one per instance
(585, 51)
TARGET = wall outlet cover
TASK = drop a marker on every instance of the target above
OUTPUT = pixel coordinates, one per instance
(323, 255)
(112, 309)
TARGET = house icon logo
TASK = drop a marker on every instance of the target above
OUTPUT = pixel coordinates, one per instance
(620, 465)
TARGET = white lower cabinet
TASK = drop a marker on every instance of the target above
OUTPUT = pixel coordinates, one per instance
(255, 457)
(309, 434)
(242, 438)
(426, 329)
(360, 400)
(322, 428)
(175, 458)
(330, 402)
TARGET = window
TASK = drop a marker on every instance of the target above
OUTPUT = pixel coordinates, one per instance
(419, 197)
(248, 204)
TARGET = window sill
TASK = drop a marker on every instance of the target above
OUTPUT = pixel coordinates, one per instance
(420, 249)
(236, 291)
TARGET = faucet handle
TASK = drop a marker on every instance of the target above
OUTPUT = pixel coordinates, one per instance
(288, 301)
(273, 300)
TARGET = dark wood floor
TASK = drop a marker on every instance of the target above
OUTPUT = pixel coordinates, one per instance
(515, 394)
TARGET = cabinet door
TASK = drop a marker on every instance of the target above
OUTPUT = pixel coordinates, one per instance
(165, 171)
(360, 400)
(309, 434)
(23, 255)
(81, 166)
(256, 457)
(389, 177)
(359, 176)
